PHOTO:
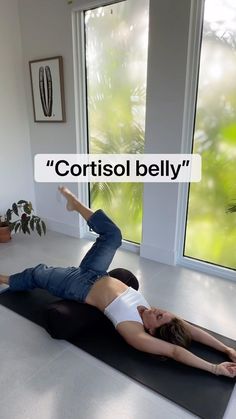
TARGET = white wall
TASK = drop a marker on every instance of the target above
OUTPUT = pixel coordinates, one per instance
(16, 173)
(167, 60)
(46, 31)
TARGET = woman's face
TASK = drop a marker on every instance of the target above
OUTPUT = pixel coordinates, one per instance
(154, 318)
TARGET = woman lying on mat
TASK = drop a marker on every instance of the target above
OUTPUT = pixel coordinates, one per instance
(139, 324)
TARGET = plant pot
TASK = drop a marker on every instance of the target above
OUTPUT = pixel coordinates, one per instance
(5, 234)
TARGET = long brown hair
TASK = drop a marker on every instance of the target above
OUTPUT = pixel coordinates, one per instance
(174, 332)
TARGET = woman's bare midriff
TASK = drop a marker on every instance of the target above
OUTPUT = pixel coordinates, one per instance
(104, 291)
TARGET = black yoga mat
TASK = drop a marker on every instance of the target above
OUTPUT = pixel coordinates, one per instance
(198, 391)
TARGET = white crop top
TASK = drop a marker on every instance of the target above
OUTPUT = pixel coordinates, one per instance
(124, 307)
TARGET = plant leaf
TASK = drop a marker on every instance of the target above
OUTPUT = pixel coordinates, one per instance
(38, 228)
(11, 226)
(15, 209)
(22, 201)
(23, 225)
(27, 229)
(43, 226)
(27, 209)
(17, 227)
(32, 224)
(231, 208)
(8, 214)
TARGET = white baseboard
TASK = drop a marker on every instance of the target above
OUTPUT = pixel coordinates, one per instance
(158, 255)
(63, 228)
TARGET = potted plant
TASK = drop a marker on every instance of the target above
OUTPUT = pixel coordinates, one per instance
(20, 217)
(5, 232)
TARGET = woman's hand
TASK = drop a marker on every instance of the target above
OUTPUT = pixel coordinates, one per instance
(231, 354)
(225, 368)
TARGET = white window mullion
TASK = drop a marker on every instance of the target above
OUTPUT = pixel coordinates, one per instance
(80, 91)
(193, 57)
(80, 100)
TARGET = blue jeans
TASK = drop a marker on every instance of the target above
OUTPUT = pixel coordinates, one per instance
(74, 283)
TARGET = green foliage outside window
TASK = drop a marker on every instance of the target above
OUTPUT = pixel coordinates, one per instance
(116, 61)
(116, 64)
(211, 229)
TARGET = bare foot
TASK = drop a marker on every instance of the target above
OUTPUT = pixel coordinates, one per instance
(71, 199)
(4, 279)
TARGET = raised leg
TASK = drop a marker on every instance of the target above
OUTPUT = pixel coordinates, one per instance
(99, 257)
(73, 204)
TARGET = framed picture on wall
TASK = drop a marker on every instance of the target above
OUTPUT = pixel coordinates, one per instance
(47, 86)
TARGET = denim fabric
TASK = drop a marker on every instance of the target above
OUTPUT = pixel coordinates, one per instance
(74, 283)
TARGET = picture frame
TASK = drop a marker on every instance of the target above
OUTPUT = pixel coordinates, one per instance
(47, 86)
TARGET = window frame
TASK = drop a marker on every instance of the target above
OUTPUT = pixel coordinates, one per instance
(190, 105)
(79, 67)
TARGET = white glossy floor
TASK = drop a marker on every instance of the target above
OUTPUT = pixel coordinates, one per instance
(45, 378)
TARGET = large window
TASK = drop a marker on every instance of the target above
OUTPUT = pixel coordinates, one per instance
(210, 229)
(116, 38)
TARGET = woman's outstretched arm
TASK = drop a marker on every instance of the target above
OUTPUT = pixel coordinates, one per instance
(201, 336)
(146, 343)
(225, 368)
